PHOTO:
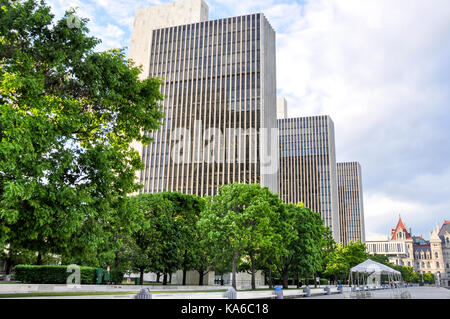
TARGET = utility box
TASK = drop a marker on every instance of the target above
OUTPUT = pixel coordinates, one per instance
(99, 276)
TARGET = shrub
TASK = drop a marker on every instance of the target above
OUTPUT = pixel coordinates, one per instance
(323, 281)
(51, 274)
(117, 276)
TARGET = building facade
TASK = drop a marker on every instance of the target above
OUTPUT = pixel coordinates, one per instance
(351, 206)
(425, 256)
(308, 171)
(220, 108)
(281, 108)
(219, 80)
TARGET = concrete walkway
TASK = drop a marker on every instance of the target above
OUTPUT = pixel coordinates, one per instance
(319, 293)
(246, 295)
(416, 293)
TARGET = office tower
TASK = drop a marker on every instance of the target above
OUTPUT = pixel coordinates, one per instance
(281, 108)
(152, 18)
(220, 112)
(351, 208)
(308, 166)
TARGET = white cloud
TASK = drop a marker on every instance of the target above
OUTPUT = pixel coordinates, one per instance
(382, 212)
(376, 67)
(111, 36)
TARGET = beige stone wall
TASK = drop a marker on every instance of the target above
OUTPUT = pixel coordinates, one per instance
(192, 278)
(161, 16)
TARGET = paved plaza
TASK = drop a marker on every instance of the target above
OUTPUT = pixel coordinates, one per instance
(318, 293)
(416, 293)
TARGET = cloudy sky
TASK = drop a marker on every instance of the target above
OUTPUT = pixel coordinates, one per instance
(379, 68)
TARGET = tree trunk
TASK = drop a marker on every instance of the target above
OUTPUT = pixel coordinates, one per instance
(297, 279)
(184, 268)
(315, 281)
(9, 264)
(158, 277)
(270, 279)
(141, 277)
(116, 261)
(39, 259)
(116, 256)
(200, 280)
(235, 257)
(170, 278)
(285, 277)
(307, 279)
(252, 261)
(184, 277)
(165, 280)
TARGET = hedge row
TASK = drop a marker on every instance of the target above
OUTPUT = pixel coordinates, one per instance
(323, 281)
(58, 275)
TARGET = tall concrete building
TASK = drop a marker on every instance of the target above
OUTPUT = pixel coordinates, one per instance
(351, 207)
(220, 112)
(308, 166)
(152, 18)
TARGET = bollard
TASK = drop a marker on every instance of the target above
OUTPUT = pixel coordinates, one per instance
(231, 293)
(340, 289)
(307, 291)
(144, 294)
(327, 290)
(279, 292)
(354, 289)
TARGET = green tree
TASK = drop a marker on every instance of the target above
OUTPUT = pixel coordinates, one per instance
(68, 116)
(304, 239)
(146, 247)
(429, 278)
(329, 247)
(408, 273)
(344, 258)
(382, 259)
(355, 253)
(337, 264)
(241, 218)
(187, 212)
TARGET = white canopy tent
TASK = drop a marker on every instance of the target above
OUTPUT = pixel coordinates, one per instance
(370, 267)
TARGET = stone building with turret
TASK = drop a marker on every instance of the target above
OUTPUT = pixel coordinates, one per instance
(425, 256)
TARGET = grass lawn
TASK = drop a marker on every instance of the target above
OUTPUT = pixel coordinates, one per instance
(9, 282)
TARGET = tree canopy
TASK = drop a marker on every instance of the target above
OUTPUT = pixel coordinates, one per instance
(68, 116)
(242, 219)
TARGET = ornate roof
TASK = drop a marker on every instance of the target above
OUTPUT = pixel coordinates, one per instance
(421, 248)
(444, 229)
(399, 226)
(420, 241)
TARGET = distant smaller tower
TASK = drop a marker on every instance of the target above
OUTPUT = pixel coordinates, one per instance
(281, 108)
